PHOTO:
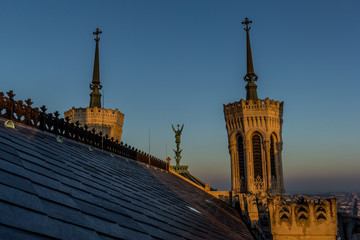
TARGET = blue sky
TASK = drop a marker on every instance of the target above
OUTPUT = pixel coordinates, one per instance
(168, 62)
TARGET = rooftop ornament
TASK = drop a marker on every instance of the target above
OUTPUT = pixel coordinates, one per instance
(9, 124)
(59, 139)
(177, 141)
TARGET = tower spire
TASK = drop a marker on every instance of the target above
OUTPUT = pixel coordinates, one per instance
(250, 76)
(95, 86)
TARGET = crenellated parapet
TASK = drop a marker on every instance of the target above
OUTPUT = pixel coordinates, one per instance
(263, 114)
(303, 219)
(254, 105)
(107, 121)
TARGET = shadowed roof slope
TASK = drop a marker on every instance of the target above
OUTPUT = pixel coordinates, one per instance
(53, 190)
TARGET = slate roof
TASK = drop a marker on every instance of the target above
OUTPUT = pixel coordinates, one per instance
(52, 190)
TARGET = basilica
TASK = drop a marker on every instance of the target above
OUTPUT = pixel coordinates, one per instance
(73, 177)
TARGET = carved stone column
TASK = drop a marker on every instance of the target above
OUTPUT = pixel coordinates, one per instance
(279, 168)
(235, 184)
(249, 166)
(267, 119)
(267, 165)
(243, 179)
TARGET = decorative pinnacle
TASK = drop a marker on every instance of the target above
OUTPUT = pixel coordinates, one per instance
(250, 76)
(246, 22)
(97, 32)
(95, 86)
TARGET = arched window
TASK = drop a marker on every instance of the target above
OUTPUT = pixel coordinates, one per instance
(256, 144)
(240, 149)
(272, 156)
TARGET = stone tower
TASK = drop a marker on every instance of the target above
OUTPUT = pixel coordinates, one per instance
(107, 121)
(254, 128)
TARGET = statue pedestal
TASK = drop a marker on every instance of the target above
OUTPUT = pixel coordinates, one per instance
(181, 169)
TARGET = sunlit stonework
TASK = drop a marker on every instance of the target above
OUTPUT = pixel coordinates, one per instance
(303, 219)
(107, 121)
(254, 131)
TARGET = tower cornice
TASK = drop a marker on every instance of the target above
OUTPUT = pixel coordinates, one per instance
(253, 105)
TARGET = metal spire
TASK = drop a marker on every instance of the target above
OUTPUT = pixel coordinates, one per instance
(95, 86)
(250, 76)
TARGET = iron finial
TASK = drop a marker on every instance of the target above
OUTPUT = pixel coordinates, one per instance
(97, 33)
(246, 22)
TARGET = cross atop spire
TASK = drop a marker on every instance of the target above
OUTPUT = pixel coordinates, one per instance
(97, 32)
(250, 76)
(246, 22)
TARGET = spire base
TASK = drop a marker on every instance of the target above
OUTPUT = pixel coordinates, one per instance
(95, 96)
(251, 93)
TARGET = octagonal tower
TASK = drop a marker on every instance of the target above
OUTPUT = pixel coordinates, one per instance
(254, 128)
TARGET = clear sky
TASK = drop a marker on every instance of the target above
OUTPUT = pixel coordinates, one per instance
(165, 62)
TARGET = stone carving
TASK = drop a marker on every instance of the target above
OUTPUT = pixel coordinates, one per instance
(259, 184)
(303, 219)
(251, 206)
